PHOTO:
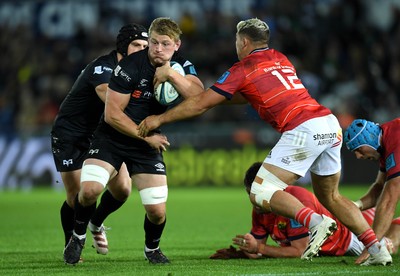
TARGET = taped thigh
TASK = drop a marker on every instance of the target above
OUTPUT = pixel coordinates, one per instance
(95, 173)
(270, 184)
(154, 195)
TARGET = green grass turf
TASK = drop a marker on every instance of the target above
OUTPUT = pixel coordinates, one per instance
(200, 220)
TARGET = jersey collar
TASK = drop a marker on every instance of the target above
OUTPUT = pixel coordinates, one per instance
(259, 50)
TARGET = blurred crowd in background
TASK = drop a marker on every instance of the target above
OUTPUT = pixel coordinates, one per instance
(346, 53)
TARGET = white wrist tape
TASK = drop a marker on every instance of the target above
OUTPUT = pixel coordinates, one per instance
(359, 204)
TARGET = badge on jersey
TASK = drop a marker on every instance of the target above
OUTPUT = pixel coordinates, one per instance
(223, 77)
(281, 225)
(100, 69)
(295, 224)
(118, 72)
(390, 162)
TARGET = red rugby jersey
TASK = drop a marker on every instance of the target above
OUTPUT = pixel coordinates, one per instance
(268, 81)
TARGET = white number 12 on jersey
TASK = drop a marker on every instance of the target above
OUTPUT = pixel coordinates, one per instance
(290, 76)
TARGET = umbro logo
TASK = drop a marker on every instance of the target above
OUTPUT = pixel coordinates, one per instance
(160, 167)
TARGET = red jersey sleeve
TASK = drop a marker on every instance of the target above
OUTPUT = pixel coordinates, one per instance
(390, 159)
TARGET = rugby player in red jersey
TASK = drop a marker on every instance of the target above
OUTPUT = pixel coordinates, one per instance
(371, 141)
(292, 238)
(311, 138)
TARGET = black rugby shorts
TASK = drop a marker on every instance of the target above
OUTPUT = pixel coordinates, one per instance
(136, 158)
(70, 153)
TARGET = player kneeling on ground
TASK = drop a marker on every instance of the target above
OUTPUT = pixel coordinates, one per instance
(291, 237)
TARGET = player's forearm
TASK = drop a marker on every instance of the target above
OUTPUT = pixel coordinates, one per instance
(253, 256)
(382, 220)
(186, 86)
(278, 252)
(370, 199)
(123, 124)
(187, 109)
(386, 207)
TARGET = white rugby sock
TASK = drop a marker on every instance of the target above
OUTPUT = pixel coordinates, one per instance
(81, 237)
(315, 219)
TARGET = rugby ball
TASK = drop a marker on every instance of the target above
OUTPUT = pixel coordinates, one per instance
(165, 92)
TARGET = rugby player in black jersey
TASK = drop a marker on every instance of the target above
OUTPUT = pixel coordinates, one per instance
(73, 128)
(130, 99)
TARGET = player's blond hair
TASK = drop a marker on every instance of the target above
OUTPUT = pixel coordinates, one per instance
(254, 29)
(166, 26)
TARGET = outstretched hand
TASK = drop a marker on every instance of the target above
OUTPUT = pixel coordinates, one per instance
(246, 243)
(158, 141)
(229, 253)
(363, 257)
(148, 124)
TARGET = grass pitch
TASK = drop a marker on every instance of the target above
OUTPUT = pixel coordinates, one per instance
(199, 221)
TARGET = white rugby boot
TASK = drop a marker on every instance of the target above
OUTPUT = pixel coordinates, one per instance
(383, 257)
(319, 234)
(99, 238)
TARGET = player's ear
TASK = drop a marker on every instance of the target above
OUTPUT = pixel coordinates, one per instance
(177, 45)
(245, 41)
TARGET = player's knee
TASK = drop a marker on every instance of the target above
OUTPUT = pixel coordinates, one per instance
(156, 214)
(120, 191)
(126, 187)
(124, 193)
(264, 191)
(89, 193)
(71, 195)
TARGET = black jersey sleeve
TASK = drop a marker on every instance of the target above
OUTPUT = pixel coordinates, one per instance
(101, 69)
(188, 67)
(124, 77)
